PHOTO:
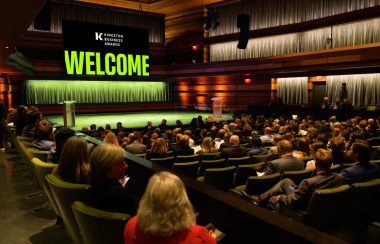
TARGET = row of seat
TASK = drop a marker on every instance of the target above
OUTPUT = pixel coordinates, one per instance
(83, 223)
(352, 206)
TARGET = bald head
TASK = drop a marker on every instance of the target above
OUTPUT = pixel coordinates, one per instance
(284, 147)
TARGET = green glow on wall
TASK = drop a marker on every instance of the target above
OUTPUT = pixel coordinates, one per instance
(56, 91)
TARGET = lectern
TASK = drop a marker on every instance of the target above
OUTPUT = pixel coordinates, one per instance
(69, 113)
(217, 106)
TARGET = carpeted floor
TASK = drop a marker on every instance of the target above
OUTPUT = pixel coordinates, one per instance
(132, 120)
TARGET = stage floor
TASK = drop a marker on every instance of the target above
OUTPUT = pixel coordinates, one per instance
(132, 119)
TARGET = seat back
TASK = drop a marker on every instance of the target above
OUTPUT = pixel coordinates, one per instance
(375, 141)
(166, 162)
(221, 178)
(66, 194)
(261, 158)
(206, 164)
(141, 155)
(326, 207)
(40, 171)
(243, 172)
(189, 169)
(260, 184)
(209, 156)
(187, 158)
(298, 175)
(336, 168)
(363, 204)
(35, 153)
(238, 161)
(97, 226)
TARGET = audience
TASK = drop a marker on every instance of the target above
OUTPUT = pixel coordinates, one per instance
(286, 160)
(362, 170)
(61, 136)
(234, 150)
(74, 165)
(257, 148)
(286, 192)
(182, 147)
(158, 150)
(208, 146)
(110, 190)
(43, 136)
(136, 146)
(165, 215)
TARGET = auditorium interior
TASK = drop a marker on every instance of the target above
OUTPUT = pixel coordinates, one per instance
(296, 70)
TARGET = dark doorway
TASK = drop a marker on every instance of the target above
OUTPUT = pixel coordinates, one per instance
(319, 91)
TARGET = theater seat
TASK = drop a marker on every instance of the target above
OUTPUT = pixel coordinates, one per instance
(261, 158)
(187, 158)
(326, 207)
(35, 153)
(244, 171)
(166, 162)
(239, 161)
(97, 226)
(40, 171)
(66, 194)
(189, 169)
(258, 184)
(298, 175)
(336, 168)
(206, 164)
(364, 203)
(209, 156)
(221, 178)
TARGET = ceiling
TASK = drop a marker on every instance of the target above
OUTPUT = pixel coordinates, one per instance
(17, 15)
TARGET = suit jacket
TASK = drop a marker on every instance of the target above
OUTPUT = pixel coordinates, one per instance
(182, 150)
(360, 172)
(286, 162)
(300, 197)
(136, 148)
(234, 152)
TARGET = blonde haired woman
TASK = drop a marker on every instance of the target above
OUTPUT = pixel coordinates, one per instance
(111, 139)
(74, 165)
(165, 215)
(109, 188)
(208, 146)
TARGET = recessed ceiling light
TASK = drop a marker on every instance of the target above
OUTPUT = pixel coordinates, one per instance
(6, 47)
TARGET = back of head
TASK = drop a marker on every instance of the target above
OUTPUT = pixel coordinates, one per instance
(256, 142)
(234, 140)
(284, 147)
(323, 159)
(362, 151)
(74, 159)
(337, 145)
(111, 138)
(302, 145)
(44, 131)
(102, 158)
(61, 136)
(165, 209)
(32, 117)
(184, 140)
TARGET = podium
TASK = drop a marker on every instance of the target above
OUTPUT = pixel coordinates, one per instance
(217, 107)
(68, 113)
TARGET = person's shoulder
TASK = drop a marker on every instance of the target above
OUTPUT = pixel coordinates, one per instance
(201, 234)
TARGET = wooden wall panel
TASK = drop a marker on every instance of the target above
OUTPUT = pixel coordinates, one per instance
(190, 92)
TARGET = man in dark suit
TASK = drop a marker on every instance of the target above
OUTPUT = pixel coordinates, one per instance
(182, 147)
(362, 170)
(234, 151)
(286, 160)
(197, 123)
(286, 192)
(136, 147)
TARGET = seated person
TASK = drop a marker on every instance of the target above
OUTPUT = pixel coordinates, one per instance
(362, 170)
(226, 141)
(43, 137)
(313, 149)
(235, 151)
(257, 148)
(158, 150)
(338, 147)
(267, 138)
(136, 147)
(208, 146)
(32, 118)
(111, 139)
(182, 147)
(110, 190)
(61, 136)
(301, 149)
(276, 139)
(165, 215)
(286, 160)
(74, 165)
(286, 192)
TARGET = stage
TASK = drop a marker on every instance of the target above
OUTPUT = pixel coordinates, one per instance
(131, 119)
